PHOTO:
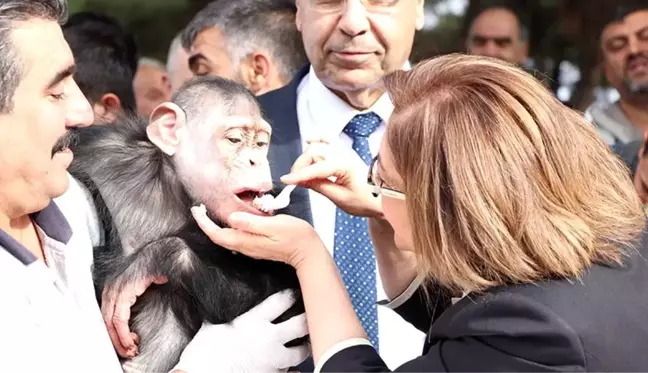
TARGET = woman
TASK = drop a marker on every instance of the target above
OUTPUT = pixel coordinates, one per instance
(491, 193)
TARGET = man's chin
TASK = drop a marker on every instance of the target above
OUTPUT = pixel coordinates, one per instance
(346, 79)
(63, 158)
(59, 184)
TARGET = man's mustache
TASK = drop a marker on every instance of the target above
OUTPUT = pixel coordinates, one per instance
(68, 140)
(634, 57)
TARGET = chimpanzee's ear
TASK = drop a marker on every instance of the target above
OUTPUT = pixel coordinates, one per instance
(166, 127)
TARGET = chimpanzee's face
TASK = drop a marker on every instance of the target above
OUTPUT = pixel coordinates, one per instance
(224, 159)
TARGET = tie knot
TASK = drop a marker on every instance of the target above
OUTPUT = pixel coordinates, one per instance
(363, 125)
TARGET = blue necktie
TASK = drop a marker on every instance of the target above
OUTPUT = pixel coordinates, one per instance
(353, 251)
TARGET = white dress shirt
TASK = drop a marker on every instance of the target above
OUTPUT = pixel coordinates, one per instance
(50, 319)
(322, 114)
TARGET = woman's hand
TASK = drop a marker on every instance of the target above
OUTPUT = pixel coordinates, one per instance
(280, 238)
(337, 173)
(330, 315)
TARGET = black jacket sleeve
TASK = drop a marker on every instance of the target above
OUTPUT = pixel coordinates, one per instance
(503, 332)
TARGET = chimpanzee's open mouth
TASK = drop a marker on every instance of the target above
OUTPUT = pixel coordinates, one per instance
(248, 196)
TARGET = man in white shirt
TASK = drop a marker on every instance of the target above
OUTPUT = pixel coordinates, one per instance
(351, 45)
(624, 47)
(49, 319)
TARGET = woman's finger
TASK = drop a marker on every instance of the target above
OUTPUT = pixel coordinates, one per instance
(254, 224)
(316, 140)
(319, 150)
(320, 170)
(228, 238)
(314, 152)
(303, 161)
(218, 235)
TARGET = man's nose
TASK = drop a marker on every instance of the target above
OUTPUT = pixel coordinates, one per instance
(634, 46)
(79, 112)
(491, 49)
(353, 20)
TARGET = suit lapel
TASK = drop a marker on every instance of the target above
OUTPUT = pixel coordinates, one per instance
(280, 109)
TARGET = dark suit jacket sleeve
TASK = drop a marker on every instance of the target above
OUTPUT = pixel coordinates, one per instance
(629, 153)
(503, 332)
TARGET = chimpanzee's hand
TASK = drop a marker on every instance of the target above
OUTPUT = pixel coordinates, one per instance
(116, 301)
(281, 238)
(337, 173)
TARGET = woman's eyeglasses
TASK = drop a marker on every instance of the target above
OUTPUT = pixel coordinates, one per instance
(374, 180)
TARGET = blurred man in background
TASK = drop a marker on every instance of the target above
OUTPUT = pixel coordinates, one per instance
(151, 85)
(498, 32)
(624, 124)
(106, 58)
(253, 42)
(178, 64)
(624, 49)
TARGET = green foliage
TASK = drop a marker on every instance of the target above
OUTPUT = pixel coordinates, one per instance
(76, 5)
(153, 22)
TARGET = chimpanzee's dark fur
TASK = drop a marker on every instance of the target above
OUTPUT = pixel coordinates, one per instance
(149, 231)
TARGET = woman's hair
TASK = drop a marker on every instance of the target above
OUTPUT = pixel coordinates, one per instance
(506, 184)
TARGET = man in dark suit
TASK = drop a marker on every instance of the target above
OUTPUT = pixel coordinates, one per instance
(351, 45)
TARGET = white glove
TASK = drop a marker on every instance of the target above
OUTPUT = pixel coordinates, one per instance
(250, 343)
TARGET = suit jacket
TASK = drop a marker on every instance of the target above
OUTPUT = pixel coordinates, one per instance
(598, 323)
(280, 110)
(629, 153)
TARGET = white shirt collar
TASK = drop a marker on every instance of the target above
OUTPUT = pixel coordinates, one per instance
(329, 113)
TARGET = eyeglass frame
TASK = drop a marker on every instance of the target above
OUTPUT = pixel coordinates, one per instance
(379, 189)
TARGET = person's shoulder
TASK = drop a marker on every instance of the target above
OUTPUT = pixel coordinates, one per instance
(527, 322)
(78, 207)
(504, 329)
(283, 95)
(269, 99)
(601, 291)
(595, 284)
(499, 313)
(75, 202)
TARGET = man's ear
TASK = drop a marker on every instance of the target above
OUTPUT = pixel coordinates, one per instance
(258, 74)
(298, 16)
(420, 15)
(111, 105)
(166, 127)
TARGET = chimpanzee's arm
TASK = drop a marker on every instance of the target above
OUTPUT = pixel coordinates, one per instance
(169, 257)
(217, 292)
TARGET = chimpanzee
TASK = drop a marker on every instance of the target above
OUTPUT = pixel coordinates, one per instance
(209, 145)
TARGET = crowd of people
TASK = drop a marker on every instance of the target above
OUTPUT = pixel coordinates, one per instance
(449, 215)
